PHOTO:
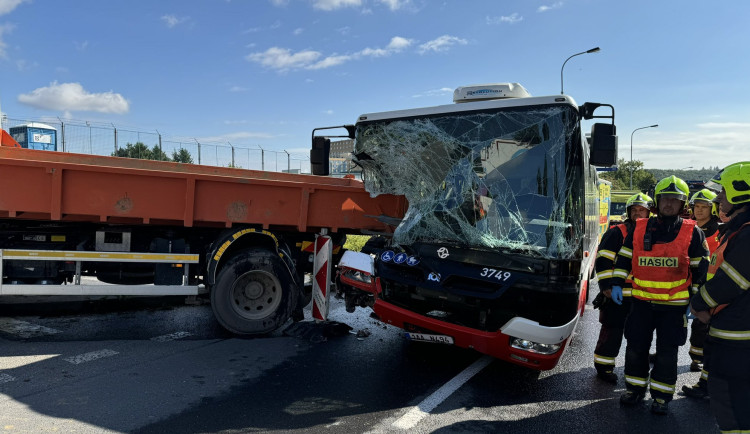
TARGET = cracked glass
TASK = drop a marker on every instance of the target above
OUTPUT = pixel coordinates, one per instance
(501, 179)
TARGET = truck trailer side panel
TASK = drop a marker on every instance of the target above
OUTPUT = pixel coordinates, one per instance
(73, 187)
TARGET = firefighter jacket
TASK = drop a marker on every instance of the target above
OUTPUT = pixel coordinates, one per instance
(729, 286)
(711, 231)
(664, 271)
(605, 256)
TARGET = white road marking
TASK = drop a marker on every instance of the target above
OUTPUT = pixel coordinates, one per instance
(14, 362)
(24, 329)
(88, 357)
(5, 378)
(171, 336)
(417, 413)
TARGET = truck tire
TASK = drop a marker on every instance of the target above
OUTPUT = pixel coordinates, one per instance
(254, 293)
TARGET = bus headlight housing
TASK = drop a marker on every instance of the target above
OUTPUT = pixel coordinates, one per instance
(534, 347)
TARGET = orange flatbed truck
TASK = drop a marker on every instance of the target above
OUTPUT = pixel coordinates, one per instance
(160, 228)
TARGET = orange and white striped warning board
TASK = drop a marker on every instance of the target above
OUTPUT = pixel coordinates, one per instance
(321, 276)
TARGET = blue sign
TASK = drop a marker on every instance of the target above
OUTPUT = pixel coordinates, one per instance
(412, 261)
(387, 256)
(400, 258)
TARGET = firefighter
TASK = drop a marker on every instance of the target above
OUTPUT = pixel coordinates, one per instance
(724, 303)
(612, 315)
(666, 255)
(706, 215)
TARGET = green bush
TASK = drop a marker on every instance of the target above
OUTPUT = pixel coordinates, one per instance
(356, 242)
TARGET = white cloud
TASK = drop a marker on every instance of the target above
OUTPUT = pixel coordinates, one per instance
(4, 29)
(283, 59)
(395, 5)
(171, 21)
(330, 5)
(398, 43)
(236, 137)
(7, 6)
(434, 92)
(727, 143)
(25, 65)
(276, 24)
(238, 89)
(545, 8)
(81, 46)
(73, 97)
(228, 122)
(279, 2)
(715, 125)
(328, 112)
(442, 43)
(509, 19)
(329, 61)
(298, 31)
(344, 30)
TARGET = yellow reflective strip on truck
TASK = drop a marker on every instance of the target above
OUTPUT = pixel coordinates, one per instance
(73, 255)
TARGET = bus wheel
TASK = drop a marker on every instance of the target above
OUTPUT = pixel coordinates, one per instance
(253, 293)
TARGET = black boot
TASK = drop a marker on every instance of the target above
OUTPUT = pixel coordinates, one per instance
(697, 391)
(659, 406)
(608, 376)
(631, 398)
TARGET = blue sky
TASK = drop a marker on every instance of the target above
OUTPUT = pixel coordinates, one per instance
(266, 72)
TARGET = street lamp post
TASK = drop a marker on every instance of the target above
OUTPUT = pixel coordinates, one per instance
(288, 162)
(631, 151)
(593, 50)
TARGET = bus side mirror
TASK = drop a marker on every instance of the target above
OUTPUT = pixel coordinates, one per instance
(603, 145)
(319, 156)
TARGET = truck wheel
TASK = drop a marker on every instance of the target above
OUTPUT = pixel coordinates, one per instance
(253, 293)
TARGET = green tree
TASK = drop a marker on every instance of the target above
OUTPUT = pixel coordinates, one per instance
(139, 150)
(620, 179)
(158, 154)
(182, 156)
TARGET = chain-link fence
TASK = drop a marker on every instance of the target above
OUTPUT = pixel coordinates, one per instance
(101, 139)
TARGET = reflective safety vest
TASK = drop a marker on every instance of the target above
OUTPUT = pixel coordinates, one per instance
(663, 273)
(627, 287)
(713, 241)
(717, 258)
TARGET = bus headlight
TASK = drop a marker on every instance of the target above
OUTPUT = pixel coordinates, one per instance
(358, 276)
(534, 347)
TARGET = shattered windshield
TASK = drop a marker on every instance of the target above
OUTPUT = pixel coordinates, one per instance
(500, 179)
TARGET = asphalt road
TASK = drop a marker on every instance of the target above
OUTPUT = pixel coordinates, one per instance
(163, 366)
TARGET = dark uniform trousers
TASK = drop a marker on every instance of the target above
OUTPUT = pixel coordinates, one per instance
(670, 324)
(729, 386)
(612, 318)
(698, 333)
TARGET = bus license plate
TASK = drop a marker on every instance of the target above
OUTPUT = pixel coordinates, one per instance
(437, 339)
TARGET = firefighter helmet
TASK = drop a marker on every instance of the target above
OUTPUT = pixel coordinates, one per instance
(672, 186)
(735, 180)
(705, 196)
(641, 199)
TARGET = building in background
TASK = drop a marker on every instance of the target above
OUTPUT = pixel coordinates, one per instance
(341, 159)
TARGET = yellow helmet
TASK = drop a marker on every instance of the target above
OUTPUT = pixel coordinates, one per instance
(735, 180)
(641, 199)
(672, 186)
(705, 196)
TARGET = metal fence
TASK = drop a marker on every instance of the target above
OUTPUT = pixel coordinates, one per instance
(101, 139)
